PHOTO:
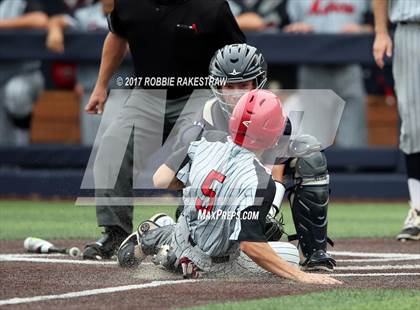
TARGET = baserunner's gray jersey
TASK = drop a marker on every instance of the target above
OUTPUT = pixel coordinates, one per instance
(227, 196)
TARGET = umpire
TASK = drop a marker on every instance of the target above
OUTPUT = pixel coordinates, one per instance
(406, 69)
(167, 38)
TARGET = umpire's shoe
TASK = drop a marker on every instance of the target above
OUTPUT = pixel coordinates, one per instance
(319, 260)
(411, 229)
(106, 246)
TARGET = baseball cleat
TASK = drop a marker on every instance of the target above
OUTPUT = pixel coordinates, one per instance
(319, 260)
(106, 246)
(411, 229)
(130, 253)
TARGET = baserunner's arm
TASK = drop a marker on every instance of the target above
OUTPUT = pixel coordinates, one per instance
(264, 256)
(165, 177)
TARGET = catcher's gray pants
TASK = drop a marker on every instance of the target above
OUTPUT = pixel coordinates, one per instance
(139, 130)
(346, 82)
(406, 68)
(17, 97)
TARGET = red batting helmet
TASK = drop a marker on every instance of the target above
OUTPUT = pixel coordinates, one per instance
(258, 121)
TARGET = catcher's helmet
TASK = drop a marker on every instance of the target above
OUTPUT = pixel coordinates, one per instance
(237, 63)
(258, 121)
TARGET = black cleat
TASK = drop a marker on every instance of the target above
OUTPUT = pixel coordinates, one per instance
(129, 254)
(409, 233)
(319, 260)
(106, 246)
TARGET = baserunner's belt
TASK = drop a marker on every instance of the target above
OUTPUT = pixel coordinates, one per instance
(214, 260)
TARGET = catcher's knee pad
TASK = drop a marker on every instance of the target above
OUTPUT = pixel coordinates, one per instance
(309, 202)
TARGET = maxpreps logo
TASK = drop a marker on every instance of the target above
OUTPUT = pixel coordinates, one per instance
(228, 215)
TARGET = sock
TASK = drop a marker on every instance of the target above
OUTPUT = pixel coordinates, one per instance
(414, 190)
(413, 173)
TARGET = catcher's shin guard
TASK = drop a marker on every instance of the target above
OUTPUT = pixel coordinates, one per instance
(309, 203)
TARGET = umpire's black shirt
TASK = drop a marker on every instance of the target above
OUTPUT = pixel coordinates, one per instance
(174, 38)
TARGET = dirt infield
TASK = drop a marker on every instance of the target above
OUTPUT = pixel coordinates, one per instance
(51, 281)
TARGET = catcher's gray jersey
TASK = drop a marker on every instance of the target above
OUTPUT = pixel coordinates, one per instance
(227, 197)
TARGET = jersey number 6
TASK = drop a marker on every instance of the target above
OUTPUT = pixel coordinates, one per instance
(208, 192)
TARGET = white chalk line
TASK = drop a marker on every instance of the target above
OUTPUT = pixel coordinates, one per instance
(401, 256)
(85, 293)
(398, 274)
(34, 255)
(17, 300)
(380, 267)
(113, 263)
(48, 258)
(11, 258)
(53, 260)
(374, 255)
(377, 260)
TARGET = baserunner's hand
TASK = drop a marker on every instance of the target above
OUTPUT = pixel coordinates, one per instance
(313, 278)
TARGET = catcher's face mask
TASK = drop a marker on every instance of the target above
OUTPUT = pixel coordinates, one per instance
(230, 93)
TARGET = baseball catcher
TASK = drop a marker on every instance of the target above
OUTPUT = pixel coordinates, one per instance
(227, 196)
(244, 69)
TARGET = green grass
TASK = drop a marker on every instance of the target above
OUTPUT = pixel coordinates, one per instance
(20, 219)
(346, 299)
(57, 220)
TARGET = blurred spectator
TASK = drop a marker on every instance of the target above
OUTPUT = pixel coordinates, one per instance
(258, 15)
(87, 18)
(266, 15)
(91, 17)
(335, 16)
(57, 7)
(21, 82)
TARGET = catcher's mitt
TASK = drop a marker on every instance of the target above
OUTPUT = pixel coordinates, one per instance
(273, 228)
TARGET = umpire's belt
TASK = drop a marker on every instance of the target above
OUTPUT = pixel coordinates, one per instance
(214, 260)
